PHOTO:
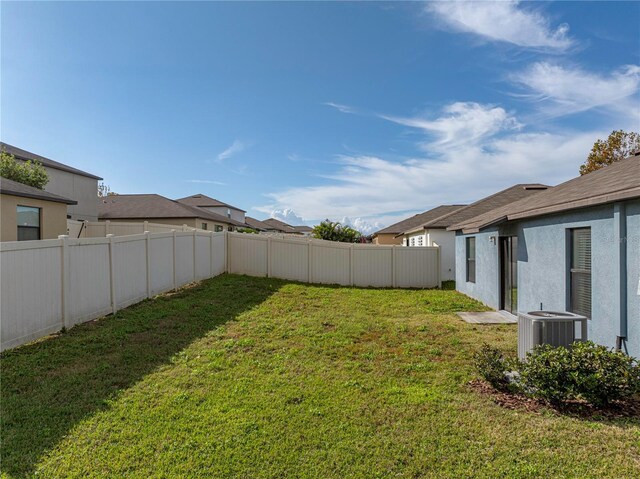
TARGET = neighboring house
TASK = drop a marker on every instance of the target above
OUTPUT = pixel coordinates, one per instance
(28, 213)
(393, 234)
(574, 247)
(255, 224)
(303, 230)
(67, 182)
(277, 226)
(215, 206)
(158, 209)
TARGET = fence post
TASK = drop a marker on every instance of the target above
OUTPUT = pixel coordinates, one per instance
(148, 244)
(438, 250)
(145, 228)
(175, 281)
(351, 264)
(226, 251)
(210, 254)
(65, 280)
(184, 227)
(269, 257)
(112, 278)
(107, 228)
(393, 265)
(310, 261)
(194, 253)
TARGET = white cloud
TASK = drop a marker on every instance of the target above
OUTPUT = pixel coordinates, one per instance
(563, 90)
(236, 147)
(462, 123)
(503, 21)
(362, 225)
(207, 182)
(476, 152)
(340, 107)
(288, 216)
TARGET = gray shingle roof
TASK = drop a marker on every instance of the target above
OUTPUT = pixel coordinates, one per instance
(417, 220)
(273, 223)
(204, 201)
(616, 182)
(256, 224)
(154, 206)
(10, 187)
(25, 155)
(492, 202)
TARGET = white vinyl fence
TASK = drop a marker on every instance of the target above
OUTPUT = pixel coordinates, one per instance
(100, 229)
(50, 284)
(317, 261)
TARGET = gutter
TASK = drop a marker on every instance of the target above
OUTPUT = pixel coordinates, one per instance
(620, 235)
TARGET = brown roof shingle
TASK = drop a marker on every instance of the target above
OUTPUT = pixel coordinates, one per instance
(492, 202)
(10, 187)
(25, 155)
(276, 224)
(204, 201)
(616, 182)
(417, 220)
(154, 206)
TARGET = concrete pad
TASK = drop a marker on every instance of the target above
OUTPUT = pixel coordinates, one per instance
(489, 317)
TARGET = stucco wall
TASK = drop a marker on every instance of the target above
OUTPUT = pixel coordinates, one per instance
(53, 217)
(487, 285)
(82, 189)
(543, 264)
(633, 277)
(222, 210)
(387, 238)
(446, 240)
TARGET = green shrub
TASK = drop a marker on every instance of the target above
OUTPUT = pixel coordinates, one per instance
(493, 367)
(600, 375)
(546, 373)
(29, 173)
(585, 371)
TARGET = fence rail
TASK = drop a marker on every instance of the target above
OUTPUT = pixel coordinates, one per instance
(50, 284)
(100, 229)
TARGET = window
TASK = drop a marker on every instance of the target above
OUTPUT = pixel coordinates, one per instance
(580, 272)
(28, 223)
(228, 213)
(420, 240)
(413, 241)
(217, 228)
(230, 228)
(204, 226)
(471, 259)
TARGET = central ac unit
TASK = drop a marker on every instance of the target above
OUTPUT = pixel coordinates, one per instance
(548, 327)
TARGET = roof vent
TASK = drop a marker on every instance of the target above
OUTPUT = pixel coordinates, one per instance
(535, 187)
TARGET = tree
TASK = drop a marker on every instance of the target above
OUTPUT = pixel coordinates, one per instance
(334, 231)
(105, 190)
(617, 146)
(30, 173)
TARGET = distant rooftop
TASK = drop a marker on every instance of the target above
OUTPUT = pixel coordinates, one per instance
(204, 201)
(416, 220)
(10, 187)
(25, 155)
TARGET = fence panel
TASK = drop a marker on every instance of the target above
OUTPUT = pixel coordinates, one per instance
(372, 266)
(184, 258)
(31, 290)
(203, 255)
(96, 229)
(417, 267)
(219, 260)
(89, 280)
(129, 270)
(330, 263)
(248, 254)
(289, 259)
(161, 259)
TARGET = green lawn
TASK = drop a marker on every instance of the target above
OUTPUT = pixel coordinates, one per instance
(259, 378)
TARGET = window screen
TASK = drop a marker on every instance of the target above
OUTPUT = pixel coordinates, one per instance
(28, 219)
(471, 260)
(580, 271)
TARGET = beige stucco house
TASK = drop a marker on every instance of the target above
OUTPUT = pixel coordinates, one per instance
(159, 209)
(28, 213)
(65, 181)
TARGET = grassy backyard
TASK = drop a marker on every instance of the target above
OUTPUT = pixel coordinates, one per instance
(259, 378)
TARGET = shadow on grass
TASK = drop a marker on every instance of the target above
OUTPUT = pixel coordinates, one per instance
(49, 386)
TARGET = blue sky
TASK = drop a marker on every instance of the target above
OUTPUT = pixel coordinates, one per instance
(364, 112)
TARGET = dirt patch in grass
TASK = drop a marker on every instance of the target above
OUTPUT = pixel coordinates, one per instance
(579, 409)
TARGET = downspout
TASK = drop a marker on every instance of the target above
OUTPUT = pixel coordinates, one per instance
(620, 235)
